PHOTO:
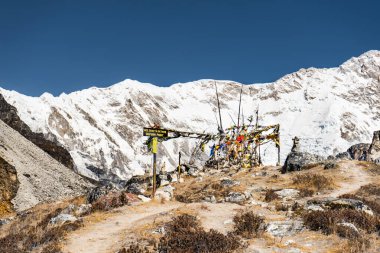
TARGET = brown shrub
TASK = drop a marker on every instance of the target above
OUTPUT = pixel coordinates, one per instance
(369, 189)
(271, 195)
(110, 201)
(305, 192)
(134, 248)
(326, 221)
(281, 207)
(248, 224)
(314, 181)
(185, 235)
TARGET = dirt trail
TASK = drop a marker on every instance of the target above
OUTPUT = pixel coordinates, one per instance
(106, 235)
(356, 177)
(110, 232)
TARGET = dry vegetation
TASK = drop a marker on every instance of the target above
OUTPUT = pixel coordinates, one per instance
(184, 234)
(248, 225)
(271, 195)
(311, 181)
(32, 232)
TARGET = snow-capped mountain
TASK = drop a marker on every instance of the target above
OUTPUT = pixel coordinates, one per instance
(328, 109)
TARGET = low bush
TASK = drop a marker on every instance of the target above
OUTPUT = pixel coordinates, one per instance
(305, 192)
(248, 224)
(134, 248)
(326, 221)
(185, 235)
(369, 189)
(271, 195)
(110, 201)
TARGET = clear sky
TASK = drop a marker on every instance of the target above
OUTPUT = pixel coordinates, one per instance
(63, 46)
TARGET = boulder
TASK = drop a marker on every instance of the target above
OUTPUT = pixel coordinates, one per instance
(165, 193)
(374, 149)
(235, 197)
(6, 221)
(77, 210)
(97, 192)
(210, 199)
(62, 218)
(226, 182)
(343, 156)
(359, 151)
(288, 193)
(330, 165)
(297, 161)
(284, 228)
(339, 203)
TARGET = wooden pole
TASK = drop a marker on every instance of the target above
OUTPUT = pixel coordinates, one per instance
(179, 166)
(154, 151)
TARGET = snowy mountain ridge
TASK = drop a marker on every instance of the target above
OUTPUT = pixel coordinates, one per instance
(329, 109)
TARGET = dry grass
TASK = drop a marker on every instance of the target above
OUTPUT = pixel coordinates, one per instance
(313, 181)
(32, 231)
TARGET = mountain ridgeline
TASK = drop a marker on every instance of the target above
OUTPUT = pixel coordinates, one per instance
(329, 109)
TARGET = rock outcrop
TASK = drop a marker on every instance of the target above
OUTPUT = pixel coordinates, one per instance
(374, 149)
(8, 186)
(8, 114)
(297, 160)
(359, 151)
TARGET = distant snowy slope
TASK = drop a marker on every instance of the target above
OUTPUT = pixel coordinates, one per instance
(329, 109)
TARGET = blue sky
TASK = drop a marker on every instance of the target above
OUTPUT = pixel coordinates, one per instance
(64, 46)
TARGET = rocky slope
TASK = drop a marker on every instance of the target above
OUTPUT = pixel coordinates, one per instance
(329, 109)
(8, 114)
(39, 177)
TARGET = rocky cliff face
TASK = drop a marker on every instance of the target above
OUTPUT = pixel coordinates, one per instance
(8, 114)
(329, 109)
(9, 185)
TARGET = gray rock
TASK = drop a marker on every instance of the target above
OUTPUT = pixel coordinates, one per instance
(235, 197)
(62, 218)
(374, 149)
(165, 193)
(339, 203)
(349, 225)
(192, 172)
(226, 182)
(330, 165)
(288, 193)
(343, 156)
(210, 199)
(6, 221)
(296, 161)
(359, 151)
(284, 228)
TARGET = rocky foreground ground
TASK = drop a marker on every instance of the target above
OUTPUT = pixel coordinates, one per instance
(333, 208)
